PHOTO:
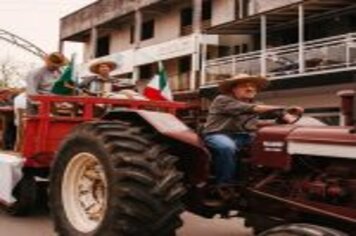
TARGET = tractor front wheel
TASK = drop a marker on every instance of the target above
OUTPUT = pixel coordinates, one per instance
(113, 178)
(25, 193)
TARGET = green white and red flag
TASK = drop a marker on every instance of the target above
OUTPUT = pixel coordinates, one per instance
(158, 87)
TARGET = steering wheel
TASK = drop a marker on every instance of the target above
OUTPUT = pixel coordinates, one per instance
(280, 115)
(293, 114)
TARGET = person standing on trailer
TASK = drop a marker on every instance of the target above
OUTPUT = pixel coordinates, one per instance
(41, 80)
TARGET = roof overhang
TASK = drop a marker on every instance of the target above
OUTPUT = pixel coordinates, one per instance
(283, 16)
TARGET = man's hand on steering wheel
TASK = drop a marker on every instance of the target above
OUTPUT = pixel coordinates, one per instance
(291, 115)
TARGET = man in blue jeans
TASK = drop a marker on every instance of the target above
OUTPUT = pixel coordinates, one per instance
(225, 131)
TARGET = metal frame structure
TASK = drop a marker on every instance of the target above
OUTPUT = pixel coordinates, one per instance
(326, 55)
(22, 43)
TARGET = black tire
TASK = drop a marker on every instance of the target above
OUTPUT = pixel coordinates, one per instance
(25, 193)
(302, 230)
(144, 188)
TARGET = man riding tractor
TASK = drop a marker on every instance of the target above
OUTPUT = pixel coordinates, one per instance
(226, 131)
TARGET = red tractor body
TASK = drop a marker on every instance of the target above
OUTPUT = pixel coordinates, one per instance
(310, 170)
(275, 146)
(292, 170)
(45, 131)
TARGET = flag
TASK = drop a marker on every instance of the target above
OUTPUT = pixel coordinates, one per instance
(158, 87)
(65, 85)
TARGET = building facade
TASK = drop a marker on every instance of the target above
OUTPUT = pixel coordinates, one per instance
(139, 34)
(306, 47)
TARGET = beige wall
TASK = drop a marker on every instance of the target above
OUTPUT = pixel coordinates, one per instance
(232, 40)
(167, 26)
(307, 97)
(258, 6)
(223, 11)
(86, 54)
(171, 67)
(120, 39)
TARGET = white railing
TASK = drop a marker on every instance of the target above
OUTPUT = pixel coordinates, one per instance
(337, 53)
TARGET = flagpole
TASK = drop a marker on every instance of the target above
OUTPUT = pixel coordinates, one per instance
(74, 74)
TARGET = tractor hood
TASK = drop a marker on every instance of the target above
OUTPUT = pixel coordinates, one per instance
(322, 141)
(275, 146)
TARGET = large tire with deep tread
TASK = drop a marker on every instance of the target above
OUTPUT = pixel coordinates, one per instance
(25, 193)
(144, 189)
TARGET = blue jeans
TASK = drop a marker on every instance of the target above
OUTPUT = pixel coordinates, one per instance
(224, 149)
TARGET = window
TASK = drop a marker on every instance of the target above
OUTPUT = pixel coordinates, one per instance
(184, 64)
(146, 71)
(103, 46)
(223, 51)
(244, 48)
(206, 11)
(186, 17)
(237, 49)
(148, 29)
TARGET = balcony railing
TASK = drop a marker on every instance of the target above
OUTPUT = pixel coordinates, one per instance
(332, 54)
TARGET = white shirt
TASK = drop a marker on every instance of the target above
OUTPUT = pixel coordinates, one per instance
(20, 102)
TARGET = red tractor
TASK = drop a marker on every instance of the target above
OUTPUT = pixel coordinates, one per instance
(134, 169)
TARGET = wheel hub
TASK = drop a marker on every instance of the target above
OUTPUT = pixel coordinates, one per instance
(84, 192)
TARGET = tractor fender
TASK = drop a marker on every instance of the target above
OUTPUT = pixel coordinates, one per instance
(187, 143)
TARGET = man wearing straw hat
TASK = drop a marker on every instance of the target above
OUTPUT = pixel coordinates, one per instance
(101, 83)
(225, 131)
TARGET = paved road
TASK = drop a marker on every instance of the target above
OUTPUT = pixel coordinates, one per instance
(40, 225)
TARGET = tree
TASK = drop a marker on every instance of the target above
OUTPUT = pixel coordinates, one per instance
(13, 73)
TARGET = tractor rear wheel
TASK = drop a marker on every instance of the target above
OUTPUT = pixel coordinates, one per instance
(114, 178)
(301, 230)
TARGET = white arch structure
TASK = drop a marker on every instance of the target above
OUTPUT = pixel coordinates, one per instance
(21, 42)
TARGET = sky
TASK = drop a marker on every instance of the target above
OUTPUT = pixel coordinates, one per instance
(38, 22)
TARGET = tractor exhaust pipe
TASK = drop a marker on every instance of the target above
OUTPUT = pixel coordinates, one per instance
(348, 108)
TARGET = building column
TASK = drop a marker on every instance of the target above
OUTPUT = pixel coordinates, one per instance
(137, 42)
(301, 38)
(195, 67)
(138, 28)
(197, 15)
(61, 46)
(93, 42)
(203, 66)
(135, 74)
(197, 28)
(263, 44)
(252, 7)
(240, 8)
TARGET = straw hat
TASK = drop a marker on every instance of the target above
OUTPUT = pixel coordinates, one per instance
(56, 59)
(95, 66)
(226, 86)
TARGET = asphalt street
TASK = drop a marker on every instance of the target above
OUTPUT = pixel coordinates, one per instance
(40, 224)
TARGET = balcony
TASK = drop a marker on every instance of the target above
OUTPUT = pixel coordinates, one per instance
(322, 56)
